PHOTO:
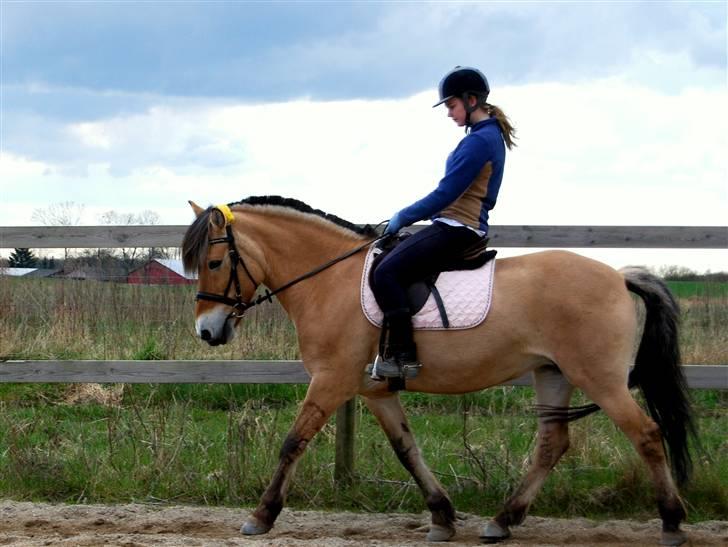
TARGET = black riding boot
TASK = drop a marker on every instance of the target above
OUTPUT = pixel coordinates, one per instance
(397, 351)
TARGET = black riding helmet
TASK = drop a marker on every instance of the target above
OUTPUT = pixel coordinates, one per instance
(461, 82)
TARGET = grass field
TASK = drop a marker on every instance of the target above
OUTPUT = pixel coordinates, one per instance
(218, 444)
(698, 289)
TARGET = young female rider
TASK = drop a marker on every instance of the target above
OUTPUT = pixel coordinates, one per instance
(458, 207)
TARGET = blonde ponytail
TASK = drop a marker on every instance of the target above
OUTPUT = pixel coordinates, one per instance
(507, 129)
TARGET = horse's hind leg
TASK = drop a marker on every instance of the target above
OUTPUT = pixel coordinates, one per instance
(390, 414)
(552, 441)
(645, 435)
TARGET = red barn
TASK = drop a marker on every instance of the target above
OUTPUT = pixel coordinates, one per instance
(161, 271)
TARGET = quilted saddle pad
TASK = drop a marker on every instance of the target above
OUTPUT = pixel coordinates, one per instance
(466, 294)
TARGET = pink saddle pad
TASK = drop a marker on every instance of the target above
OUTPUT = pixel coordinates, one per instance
(466, 295)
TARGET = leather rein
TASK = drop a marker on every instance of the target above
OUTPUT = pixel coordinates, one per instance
(239, 305)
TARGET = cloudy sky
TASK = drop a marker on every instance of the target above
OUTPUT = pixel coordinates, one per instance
(621, 108)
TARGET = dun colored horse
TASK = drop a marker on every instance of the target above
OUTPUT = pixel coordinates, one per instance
(567, 319)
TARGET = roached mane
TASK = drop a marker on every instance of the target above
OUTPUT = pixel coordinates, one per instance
(194, 244)
(297, 205)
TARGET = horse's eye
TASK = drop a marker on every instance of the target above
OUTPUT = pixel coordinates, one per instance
(214, 264)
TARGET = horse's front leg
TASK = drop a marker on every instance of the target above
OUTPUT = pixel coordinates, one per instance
(325, 394)
(389, 412)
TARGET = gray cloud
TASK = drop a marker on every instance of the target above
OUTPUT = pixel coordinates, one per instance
(81, 62)
(262, 52)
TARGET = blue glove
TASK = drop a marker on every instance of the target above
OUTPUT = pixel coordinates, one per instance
(395, 224)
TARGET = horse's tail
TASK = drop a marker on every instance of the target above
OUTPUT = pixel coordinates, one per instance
(657, 371)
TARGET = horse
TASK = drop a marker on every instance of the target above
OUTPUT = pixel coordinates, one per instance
(568, 320)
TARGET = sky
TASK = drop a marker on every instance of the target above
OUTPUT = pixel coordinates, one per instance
(621, 108)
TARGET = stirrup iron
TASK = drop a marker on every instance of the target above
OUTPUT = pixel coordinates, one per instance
(381, 369)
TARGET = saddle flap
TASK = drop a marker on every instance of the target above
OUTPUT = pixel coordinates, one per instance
(419, 292)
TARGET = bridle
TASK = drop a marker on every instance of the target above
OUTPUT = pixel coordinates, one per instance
(239, 305)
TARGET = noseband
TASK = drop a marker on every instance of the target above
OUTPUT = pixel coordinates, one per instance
(239, 305)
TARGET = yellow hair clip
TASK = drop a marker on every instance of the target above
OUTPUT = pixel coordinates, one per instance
(227, 213)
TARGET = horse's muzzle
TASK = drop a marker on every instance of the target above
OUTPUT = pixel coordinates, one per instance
(215, 328)
(206, 335)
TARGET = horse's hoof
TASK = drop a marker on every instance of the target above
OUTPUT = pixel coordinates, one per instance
(440, 533)
(673, 538)
(493, 533)
(253, 527)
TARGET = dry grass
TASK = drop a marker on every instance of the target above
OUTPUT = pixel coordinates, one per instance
(704, 329)
(65, 319)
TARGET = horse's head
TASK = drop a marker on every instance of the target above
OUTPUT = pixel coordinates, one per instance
(225, 261)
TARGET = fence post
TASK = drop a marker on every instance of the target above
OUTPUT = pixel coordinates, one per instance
(345, 429)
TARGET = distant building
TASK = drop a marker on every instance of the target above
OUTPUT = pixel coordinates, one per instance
(161, 271)
(44, 272)
(16, 272)
(29, 272)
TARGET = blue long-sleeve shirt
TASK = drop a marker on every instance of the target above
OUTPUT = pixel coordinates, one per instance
(473, 175)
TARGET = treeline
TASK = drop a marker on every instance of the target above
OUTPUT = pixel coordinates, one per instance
(680, 273)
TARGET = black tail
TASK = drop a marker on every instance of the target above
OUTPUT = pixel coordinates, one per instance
(658, 373)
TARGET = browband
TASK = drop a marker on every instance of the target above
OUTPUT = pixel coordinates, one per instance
(227, 213)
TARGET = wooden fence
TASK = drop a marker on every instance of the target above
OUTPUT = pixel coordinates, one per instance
(680, 237)
(605, 237)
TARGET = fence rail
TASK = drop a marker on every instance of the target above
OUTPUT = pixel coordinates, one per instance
(232, 372)
(643, 237)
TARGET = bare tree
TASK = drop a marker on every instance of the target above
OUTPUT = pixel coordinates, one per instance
(65, 213)
(116, 218)
(132, 255)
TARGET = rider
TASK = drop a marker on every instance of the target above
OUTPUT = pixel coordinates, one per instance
(458, 207)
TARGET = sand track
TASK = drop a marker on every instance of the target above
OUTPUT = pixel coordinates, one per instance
(134, 525)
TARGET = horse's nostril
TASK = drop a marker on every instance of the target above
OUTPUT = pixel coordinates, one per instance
(205, 334)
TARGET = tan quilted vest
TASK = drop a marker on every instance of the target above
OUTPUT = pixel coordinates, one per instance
(466, 208)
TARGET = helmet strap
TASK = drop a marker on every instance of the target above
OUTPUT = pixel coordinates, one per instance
(468, 109)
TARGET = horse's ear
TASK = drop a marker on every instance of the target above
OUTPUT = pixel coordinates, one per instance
(217, 219)
(196, 208)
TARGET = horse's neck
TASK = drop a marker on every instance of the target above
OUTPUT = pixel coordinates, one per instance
(295, 246)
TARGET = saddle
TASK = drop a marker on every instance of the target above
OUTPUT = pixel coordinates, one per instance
(418, 292)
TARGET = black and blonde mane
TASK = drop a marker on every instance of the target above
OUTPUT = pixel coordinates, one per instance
(194, 244)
